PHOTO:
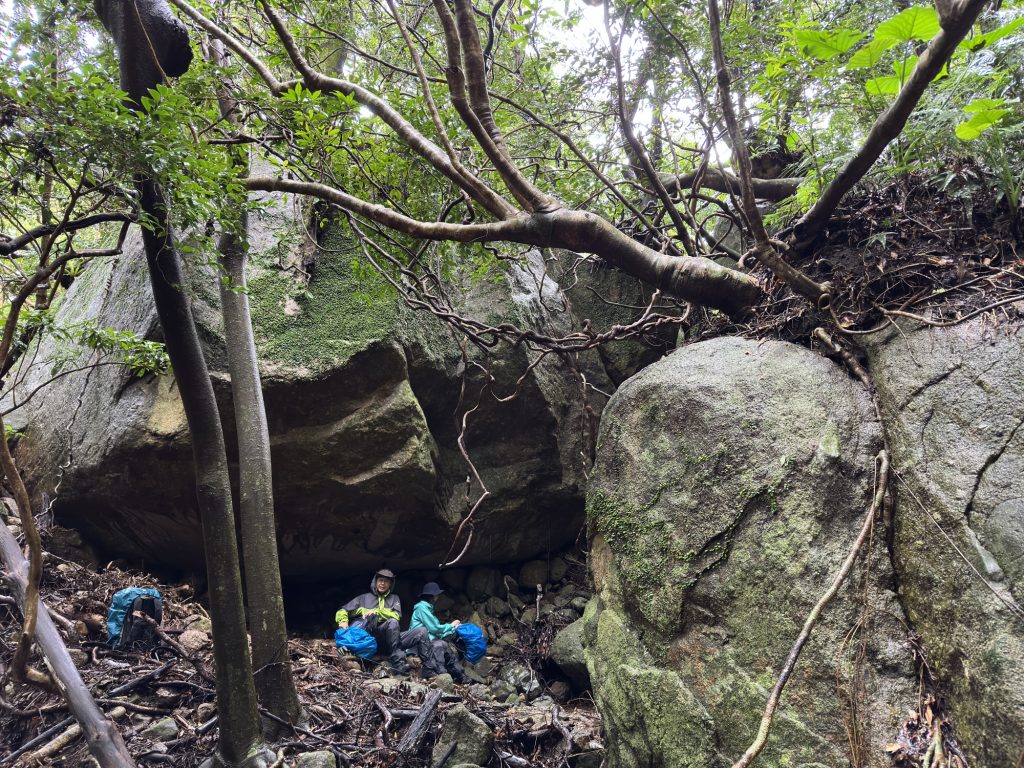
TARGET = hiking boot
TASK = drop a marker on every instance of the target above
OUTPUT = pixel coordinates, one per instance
(400, 668)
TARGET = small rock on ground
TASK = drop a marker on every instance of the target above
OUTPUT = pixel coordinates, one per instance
(162, 730)
(320, 759)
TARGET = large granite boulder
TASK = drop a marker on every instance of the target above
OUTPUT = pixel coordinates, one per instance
(953, 403)
(363, 400)
(732, 478)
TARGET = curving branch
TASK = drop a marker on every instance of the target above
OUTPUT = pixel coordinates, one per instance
(521, 189)
(476, 83)
(501, 209)
(235, 45)
(767, 251)
(638, 152)
(412, 138)
(694, 279)
(11, 245)
(957, 17)
(728, 183)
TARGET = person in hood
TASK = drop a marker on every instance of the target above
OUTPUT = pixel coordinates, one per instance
(378, 612)
(423, 617)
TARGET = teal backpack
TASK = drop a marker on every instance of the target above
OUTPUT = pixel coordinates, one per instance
(124, 629)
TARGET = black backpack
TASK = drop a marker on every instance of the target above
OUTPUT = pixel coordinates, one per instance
(137, 632)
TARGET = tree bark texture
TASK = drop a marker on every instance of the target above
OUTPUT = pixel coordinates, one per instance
(140, 29)
(104, 740)
(274, 682)
(695, 279)
(236, 694)
(275, 685)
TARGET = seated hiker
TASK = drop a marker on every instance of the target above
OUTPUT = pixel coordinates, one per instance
(423, 617)
(378, 612)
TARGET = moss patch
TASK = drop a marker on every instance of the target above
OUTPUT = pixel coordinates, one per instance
(327, 321)
(651, 716)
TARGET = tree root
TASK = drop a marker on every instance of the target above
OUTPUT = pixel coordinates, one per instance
(882, 463)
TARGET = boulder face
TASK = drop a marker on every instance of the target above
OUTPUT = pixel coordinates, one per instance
(732, 478)
(363, 401)
(953, 402)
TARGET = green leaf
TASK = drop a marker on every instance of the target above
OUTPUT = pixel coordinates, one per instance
(981, 105)
(905, 67)
(980, 41)
(870, 54)
(826, 45)
(885, 85)
(917, 23)
(979, 123)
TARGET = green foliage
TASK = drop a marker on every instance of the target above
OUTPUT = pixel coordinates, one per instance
(141, 356)
(984, 113)
(810, 78)
(855, 66)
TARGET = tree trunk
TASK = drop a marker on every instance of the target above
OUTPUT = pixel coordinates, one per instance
(236, 695)
(274, 683)
(152, 43)
(104, 740)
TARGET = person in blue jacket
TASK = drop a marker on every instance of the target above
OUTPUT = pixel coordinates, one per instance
(423, 617)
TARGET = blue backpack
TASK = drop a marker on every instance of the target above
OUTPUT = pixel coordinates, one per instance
(471, 641)
(355, 640)
(123, 628)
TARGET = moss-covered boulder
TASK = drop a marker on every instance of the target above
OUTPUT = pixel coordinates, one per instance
(732, 478)
(362, 397)
(953, 402)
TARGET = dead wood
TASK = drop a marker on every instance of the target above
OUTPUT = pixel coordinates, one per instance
(411, 740)
(105, 742)
(64, 739)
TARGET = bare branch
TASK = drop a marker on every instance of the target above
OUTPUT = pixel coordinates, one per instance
(11, 245)
(723, 181)
(473, 58)
(767, 251)
(694, 279)
(638, 151)
(275, 85)
(956, 23)
(488, 197)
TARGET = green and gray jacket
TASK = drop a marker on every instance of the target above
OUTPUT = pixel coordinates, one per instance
(388, 606)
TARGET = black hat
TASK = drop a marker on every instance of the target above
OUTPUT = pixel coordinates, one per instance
(431, 588)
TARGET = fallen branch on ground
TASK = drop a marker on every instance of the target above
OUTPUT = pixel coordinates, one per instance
(410, 742)
(105, 742)
(65, 738)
